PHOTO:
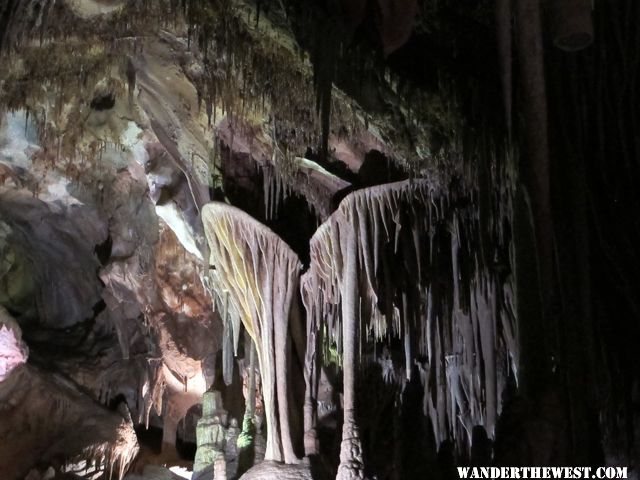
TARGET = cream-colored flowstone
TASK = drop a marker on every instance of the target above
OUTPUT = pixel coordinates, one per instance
(255, 276)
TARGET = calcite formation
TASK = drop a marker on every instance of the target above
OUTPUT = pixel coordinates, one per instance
(217, 437)
(260, 273)
(387, 251)
(370, 242)
(211, 432)
(274, 470)
(13, 351)
(92, 440)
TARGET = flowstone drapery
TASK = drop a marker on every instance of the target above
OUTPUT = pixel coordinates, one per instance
(377, 272)
(255, 277)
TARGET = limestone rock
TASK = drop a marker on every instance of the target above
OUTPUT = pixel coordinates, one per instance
(13, 351)
(269, 470)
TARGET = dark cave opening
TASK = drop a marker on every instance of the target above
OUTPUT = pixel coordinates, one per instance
(103, 102)
(150, 437)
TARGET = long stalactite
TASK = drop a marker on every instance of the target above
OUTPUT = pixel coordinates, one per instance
(257, 275)
(380, 249)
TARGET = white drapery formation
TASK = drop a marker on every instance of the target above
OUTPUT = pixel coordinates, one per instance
(255, 279)
(402, 260)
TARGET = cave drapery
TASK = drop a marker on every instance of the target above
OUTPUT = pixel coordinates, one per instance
(258, 272)
(382, 237)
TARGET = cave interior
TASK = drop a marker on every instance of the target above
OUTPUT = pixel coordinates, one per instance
(317, 239)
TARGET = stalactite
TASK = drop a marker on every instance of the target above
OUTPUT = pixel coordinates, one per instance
(458, 336)
(260, 273)
(155, 392)
(228, 351)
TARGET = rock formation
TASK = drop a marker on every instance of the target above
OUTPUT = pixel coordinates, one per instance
(259, 273)
(210, 433)
(390, 237)
(13, 351)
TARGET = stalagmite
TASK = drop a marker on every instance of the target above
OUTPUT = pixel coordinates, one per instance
(231, 448)
(351, 462)
(247, 440)
(260, 273)
(210, 434)
(311, 364)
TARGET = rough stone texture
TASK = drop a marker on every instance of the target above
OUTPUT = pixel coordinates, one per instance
(210, 432)
(65, 272)
(13, 351)
(351, 461)
(269, 470)
(153, 472)
(99, 242)
(56, 420)
(231, 448)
